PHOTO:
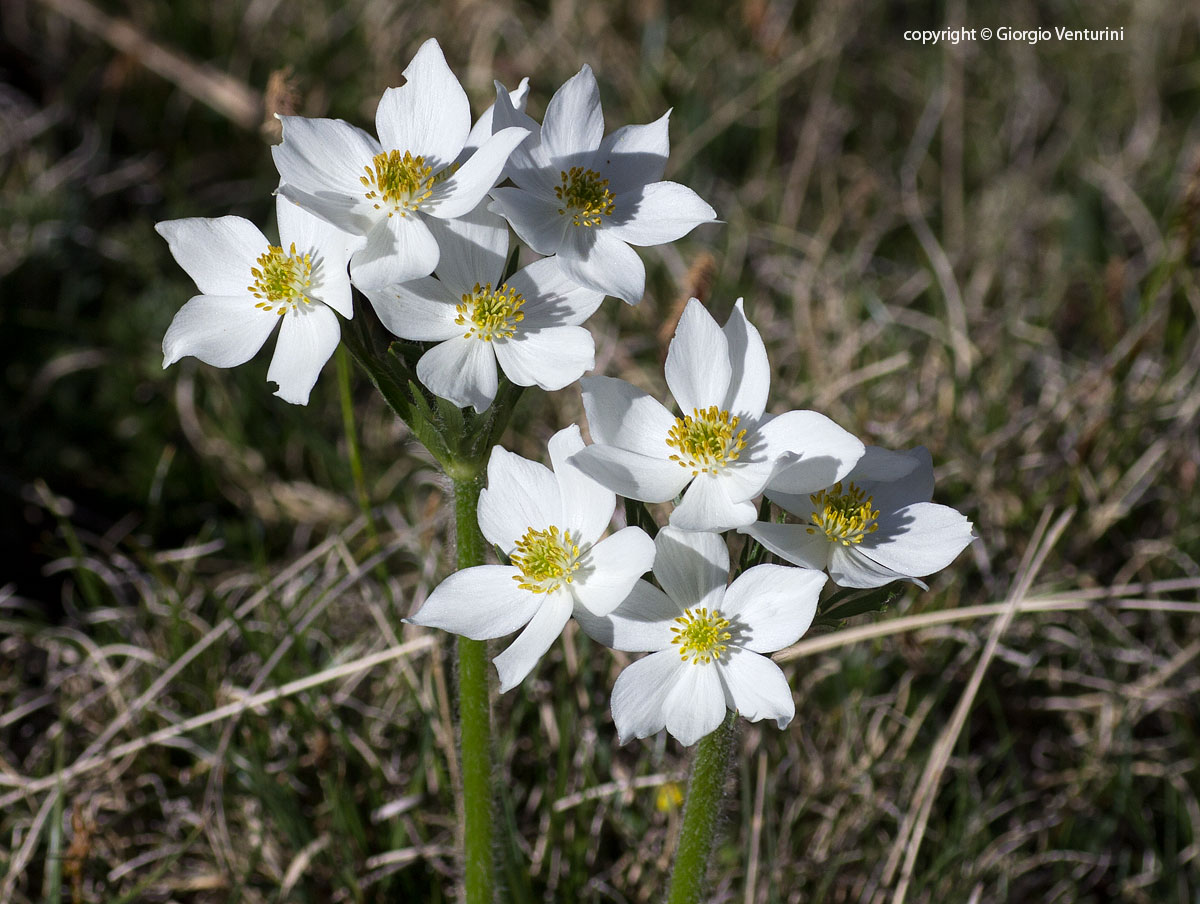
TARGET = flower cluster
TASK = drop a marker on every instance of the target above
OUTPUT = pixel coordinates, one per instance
(417, 218)
(414, 214)
(863, 517)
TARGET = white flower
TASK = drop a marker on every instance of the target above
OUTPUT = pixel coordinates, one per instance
(705, 639)
(530, 324)
(549, 523)
(482, 130)
(248, 286)
(587, 198)
(873, 527)
(722, 444)
(396, 193)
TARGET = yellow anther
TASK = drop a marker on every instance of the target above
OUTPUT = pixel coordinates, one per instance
(701, 636)
(585, 196)
(281, 280)
(399, 182)
(490, 314)
(844, 517)
(707, 440)
(547, 559)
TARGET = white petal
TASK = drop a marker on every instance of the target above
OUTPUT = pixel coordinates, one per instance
(534, 219)
(695, 706)
(473, 249)
(817, 453)
(549, 358)
(587, 507)
(515, 663)
(326, 158)
(521, 494)
(632, 474)
(890, 493)
(640, 692)
(691, 566)
(773, 605)
(658, 213)
(217, 254)
(698, 368)
(339, 210)
(399, 249)
(750, 371)
(620, 414)
(635, 155)
(613, 567)
(528, 166)
(430, 115)
(642, 623)
(551, 297)
(480, 603)
(574, 124)
(464, 190)
(597, 259)
(420, 309)
(883, 465)
(330, 248)
(756, 688)
(220, 330)
(919, 539)
(307, 338)
(462, 371)
(482, 130)
(706, 506)
(848, 567)
(792, 542)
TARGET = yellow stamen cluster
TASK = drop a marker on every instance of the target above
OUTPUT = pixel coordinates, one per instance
(701, 635)
(547, 559)
(707, 439)
(844, 517)
(490, 314)
(585, 196)
(281, 280)
(399, 181)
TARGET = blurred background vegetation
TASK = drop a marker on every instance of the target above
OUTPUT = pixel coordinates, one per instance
(989, 249)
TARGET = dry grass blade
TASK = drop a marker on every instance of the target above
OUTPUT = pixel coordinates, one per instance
(64, 776)
(912, 830)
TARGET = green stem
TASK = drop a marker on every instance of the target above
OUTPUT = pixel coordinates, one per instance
(701, 809)
(474, 713)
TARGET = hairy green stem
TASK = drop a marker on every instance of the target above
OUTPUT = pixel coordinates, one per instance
(474, 713)
(702, 807)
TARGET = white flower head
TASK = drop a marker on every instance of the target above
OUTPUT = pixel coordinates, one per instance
(529, 324)
(873, 527)
(549, 524)
(587, 197)
(249, 286)
(396, 191)
(722, 448)
(705, 640)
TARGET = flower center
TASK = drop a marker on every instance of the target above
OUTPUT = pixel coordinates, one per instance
(585, 196)
(490, 315)
(281, 280)
(701, 635)
(399, 181)
(707, 440)
(547, 559)
(845, 517)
